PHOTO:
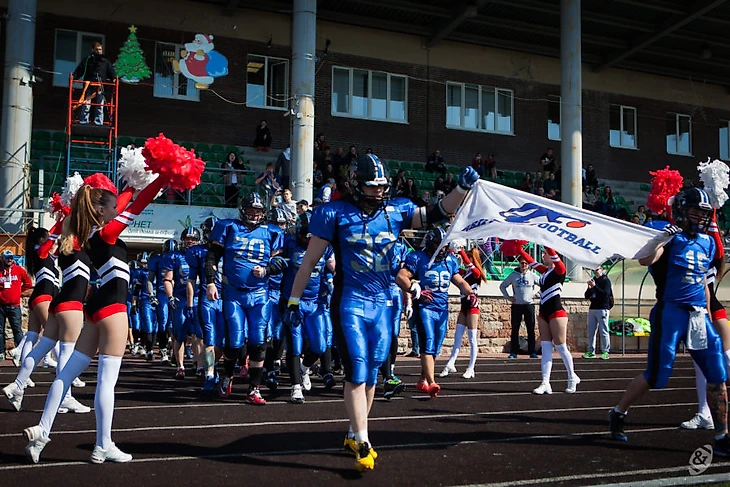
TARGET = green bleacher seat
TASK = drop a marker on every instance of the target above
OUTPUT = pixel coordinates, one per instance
(41, 135)
(232, 148)
(42, 144)
(58, 146)
(139, 142)
(249, 181)
(217, 148)
(124, 141)
(59, 135)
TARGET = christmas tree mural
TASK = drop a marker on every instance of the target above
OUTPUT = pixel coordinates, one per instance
(131, 66)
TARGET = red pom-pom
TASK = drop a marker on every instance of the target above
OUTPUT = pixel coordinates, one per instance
(665, 184)
(100, 181)
(57, 208)
(177, 165)
(511, 248)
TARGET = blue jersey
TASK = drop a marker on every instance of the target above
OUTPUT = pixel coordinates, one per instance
(195, 257)
(142, 274)
(362, 243)
(398, 254)
(436, 277)
(175, 262)
(154, 265)
(275, 280)
(679, 274)
(134, 281)
(246, 249)
(295, 253)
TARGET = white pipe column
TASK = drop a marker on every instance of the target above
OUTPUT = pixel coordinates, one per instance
(304, 26)
(571, 123)
(17, 118)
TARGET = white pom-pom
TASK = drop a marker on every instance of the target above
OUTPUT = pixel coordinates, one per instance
(132, 168)
(715, 175)
(457, 244)
(71, 187)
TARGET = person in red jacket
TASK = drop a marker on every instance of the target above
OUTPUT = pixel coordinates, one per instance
(14, 284)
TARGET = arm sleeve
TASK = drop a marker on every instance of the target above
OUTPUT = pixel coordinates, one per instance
(53, 235)
(505, 284)
(559, 266)
(215, 252)
(25, 279)
(113, 229)
(469, 264)
(603, 288)
(124, 198)
(714, 232)
(538, 267)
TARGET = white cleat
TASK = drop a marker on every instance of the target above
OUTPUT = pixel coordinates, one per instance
(78, 383)
(29, 383)
(14, 355)
(698, 422)
(543, 388)
(448, 369)
(112, 454)
(572, 384)
(297, 397)
(71, 405)
(14, 395)
(35, 447)
(468, 374)
(49, 362)
(306, 381)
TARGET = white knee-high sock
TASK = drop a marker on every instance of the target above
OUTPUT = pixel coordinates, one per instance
(546, 361)
(32, 359)
(57, 351)
(106, 377)
(702, 408)
(473, 347)
(76, 364)
(458, 336)
(65, 350)
(26, 344)
(567, 358)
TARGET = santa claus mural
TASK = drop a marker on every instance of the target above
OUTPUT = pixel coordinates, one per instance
(201, 62)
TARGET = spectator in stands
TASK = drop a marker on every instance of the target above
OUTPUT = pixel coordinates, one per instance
(490, 166)
(608, 204)
(283, 200)
(439, 185)
(369, 150)
(526, 183)
(14, 284)
(478, 164)
(338, 158)
(94, 67)
(635, 219)
(302, 207)
(449, 183)
(436, 163)
(283, 167)
(547, 161)
(317, 178)
(438, 195)
(589, 198)
(591, 179)
(325, 193)
(424, 199)
(641, 214)
(601, 297)
(537, 182)
(269, 181)
(399, 183)
(410, 190)
(262, 140)
(320, 146)
(325, 158)
(231, 178)
(351, 156)
(551, 186)
(541, 192)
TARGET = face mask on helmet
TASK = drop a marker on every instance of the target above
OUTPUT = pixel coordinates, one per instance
(207, 227)
(691, 210)
(365, 175)
(143, 258)
(190, 236)
(252, 210)
(277, 217)
(431, 242)
(133, 265)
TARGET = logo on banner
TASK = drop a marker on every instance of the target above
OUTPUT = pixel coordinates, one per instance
(529, 212)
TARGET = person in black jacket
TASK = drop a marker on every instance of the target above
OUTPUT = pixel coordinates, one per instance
(262, 141)
(94, 68)
(601, 296)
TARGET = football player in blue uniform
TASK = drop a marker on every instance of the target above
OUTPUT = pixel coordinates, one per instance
(361, 229)
(158, 297)
(132, 311)
(184, 317)
(248, 247)
(429, 286)
(210, 313)
(275, 346)
(147, 315)
(679, 268)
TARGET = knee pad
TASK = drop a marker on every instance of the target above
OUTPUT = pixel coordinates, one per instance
(257, 353)
(230, 353)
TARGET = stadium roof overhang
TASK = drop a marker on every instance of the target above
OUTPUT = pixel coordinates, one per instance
(678, 38)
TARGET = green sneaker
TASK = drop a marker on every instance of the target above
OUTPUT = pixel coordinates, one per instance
(604, 355)
(589, 355)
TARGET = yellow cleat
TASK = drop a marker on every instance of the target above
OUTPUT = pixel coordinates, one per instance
(350, 446)
(364, 457)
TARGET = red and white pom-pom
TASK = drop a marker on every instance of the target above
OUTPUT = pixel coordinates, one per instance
(100, 181)
(71, 187)
(665, 184)
(56, 207)
(511, 248)
(715, 176)
(133, 169)
(177, 165)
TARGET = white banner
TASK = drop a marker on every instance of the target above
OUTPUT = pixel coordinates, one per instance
(159, 222)
(585, 237)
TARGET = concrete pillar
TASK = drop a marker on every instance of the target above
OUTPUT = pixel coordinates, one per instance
(17, 118)
(571, 125)
(304, 25)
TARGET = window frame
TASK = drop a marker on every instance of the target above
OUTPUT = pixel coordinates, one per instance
(724, 124)
(388, 97)
(559, 100)
(621, 128)
(79, 54)
(267, 96)
(677, 117)
(175, 76)
(480, 117)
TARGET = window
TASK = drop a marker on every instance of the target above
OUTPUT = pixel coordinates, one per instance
(372, 95)
(725, 140)
(71, 48)
(554, 114)
(267, 82)
(622, 121)
(481, 108)
(168, 83)
(679, 134)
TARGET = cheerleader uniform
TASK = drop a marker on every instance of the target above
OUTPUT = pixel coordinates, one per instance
(46, 272)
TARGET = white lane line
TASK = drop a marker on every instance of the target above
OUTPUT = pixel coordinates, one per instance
(339, 420)
(402, 446)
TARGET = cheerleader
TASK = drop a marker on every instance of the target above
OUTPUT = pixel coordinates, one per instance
(552, 320)
(96, 225)
(468, 319)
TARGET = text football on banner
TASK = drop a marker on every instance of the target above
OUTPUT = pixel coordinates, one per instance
(587, 238)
